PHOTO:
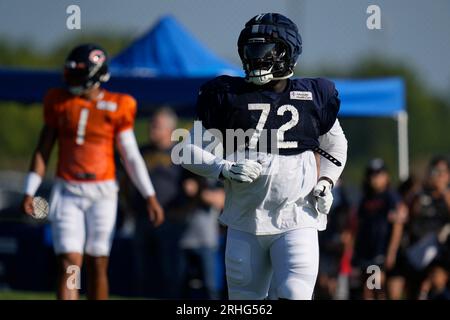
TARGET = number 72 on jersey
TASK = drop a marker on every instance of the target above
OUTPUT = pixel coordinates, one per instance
(265, 110)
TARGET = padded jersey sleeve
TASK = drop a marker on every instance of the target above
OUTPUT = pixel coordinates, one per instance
(126, 113)
(329, 104)
(211, 105)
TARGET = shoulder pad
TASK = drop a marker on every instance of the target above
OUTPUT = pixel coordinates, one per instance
(223, 84)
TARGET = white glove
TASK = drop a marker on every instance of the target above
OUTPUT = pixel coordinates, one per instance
(323, 195)
(242, 171)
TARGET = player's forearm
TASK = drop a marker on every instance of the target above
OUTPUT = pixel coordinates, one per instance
(335, 143)
(338, 151)
(194, 157)
(137, 171)
(39, 161)
(43, 150)
(201, 162)
(34, 177)
(134, 164)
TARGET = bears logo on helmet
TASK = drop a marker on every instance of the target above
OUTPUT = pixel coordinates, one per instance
(97, 57)
(85, 67)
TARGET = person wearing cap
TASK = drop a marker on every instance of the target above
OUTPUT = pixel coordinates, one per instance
(379, 227)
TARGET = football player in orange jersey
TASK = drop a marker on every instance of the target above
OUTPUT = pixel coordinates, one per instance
(87, 121)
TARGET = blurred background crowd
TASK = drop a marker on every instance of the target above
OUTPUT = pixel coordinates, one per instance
(403, 230)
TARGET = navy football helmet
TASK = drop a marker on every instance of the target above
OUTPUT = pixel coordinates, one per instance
(269, 47)
(85, 67)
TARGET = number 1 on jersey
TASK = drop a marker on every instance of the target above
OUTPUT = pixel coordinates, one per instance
(82, 122)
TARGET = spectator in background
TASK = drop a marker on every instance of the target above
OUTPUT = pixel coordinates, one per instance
(379, 227)
(435, 286)
(199, 242)
(430, 209)
(409, 189)
(398, 271)
(429, 223)
(157, 251)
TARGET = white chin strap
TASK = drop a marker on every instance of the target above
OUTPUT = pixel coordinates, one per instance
(261, 76)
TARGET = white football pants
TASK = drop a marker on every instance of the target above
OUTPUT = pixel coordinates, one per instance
(291, 258)
(82, 223)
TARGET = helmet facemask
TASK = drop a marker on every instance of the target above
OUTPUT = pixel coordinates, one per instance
(269, 46)
(265, 61)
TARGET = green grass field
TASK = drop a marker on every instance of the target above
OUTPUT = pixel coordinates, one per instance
(26, 295)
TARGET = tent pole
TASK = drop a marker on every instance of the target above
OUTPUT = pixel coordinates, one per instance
(403, 160)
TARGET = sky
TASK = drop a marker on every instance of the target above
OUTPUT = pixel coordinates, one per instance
(334, 32)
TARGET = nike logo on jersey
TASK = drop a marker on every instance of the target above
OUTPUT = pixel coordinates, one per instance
(301, 95)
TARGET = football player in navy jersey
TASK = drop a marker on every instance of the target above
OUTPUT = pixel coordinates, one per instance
(278, 179)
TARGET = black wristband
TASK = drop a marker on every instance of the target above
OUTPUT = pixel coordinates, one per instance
(327, 179)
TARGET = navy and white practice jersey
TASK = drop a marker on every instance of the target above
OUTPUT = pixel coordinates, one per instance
(279, 200)
(305, 110)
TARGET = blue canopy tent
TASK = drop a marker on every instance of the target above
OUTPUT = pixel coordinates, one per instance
(167, 65)
(169, 50)
(382, 97)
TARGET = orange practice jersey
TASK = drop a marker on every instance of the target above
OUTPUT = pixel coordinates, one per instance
(86, 132)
